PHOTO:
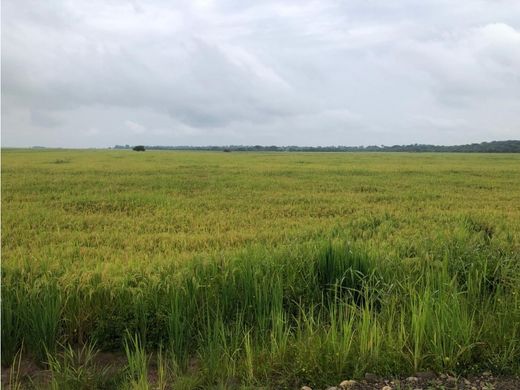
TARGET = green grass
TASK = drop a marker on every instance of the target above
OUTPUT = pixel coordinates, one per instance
(76, 369)
(253, 269)
(138, 362)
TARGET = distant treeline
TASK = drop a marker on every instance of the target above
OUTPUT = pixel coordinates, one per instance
(512, 146)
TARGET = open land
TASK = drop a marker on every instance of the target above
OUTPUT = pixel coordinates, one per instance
(243, 270)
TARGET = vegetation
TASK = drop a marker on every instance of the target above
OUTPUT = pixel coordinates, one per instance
(511, 146)
(274, 269)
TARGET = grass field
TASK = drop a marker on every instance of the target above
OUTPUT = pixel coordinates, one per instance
(273, 269)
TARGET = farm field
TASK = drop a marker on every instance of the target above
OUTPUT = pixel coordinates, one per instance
(206, 269)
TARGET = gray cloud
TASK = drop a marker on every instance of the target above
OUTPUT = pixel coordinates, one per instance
(207, 72)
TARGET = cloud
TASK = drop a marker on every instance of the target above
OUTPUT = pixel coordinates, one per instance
(227, 72)
(43, 119)
(135, 127)
(468, 67)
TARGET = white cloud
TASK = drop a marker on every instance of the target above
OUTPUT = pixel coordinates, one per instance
(135, 127)
(212, 72)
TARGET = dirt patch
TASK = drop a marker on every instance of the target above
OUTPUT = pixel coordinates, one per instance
(430, 381)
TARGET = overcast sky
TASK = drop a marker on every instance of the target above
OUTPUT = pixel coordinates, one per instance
(353, 72)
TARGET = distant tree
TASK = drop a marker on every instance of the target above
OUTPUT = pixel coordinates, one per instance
(227, 150)
(139, 148)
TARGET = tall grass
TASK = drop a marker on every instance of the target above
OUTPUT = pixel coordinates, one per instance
(14, 372)
(12, 331)
(138, 361)
(311, 314)
(76, 369)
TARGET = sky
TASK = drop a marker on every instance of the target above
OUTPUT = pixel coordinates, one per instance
(353, 72)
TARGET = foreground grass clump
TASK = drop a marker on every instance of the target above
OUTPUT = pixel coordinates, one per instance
(312, 314)
(213, 270)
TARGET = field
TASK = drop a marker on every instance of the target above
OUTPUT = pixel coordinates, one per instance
(204, 269)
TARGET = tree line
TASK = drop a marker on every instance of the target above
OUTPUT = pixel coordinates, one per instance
(510, 146)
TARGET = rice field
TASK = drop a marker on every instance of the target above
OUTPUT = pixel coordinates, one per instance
(240, 270)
